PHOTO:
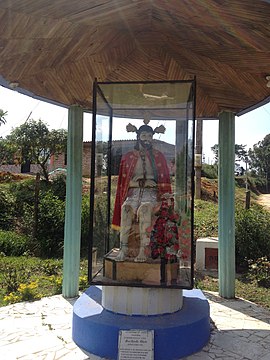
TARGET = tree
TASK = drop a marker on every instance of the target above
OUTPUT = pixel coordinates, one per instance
(240, 152)
(7, 152)
(36, 143)
(215, 151)
(259, 158)
(3, 114)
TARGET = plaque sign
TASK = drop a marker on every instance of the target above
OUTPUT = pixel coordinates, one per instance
(136, 345)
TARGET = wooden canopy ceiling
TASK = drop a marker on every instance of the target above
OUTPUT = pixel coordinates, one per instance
(55, 49)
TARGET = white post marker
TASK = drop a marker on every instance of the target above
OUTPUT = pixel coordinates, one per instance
(136, 345)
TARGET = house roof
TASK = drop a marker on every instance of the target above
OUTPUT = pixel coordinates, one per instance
(54, 50)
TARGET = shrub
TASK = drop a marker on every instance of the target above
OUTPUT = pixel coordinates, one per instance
(19, 275)
(210, 171)
(28, 292)
(257, 182)
(11, 279)
(7, 210)
(12, 244)
(25, 222)
(23, 193)
(47, 235)
(56, 281)
(83, 282)
(49, 267)
(24, 292)
(252, 228)
(100, 225)
(13, 275)
(259, 270)
(58, 186)
(85, 225)
(51, 220)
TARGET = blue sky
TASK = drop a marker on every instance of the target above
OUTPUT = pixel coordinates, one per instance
(250, 128)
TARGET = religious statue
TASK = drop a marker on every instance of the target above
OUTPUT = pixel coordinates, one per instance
(143, 179)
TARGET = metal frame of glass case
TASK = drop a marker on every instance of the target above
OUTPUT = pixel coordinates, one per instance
(142, 184)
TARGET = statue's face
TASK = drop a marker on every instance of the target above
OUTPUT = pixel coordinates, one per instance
(146, 139)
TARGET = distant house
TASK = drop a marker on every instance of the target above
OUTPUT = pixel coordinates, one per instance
(119, 147)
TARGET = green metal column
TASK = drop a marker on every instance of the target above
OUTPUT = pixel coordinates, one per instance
(226, 201)
(72, 238)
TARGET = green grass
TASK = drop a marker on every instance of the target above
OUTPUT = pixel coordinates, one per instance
(244, 288)
(205, 219)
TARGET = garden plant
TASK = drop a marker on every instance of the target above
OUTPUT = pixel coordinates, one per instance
(31, 244)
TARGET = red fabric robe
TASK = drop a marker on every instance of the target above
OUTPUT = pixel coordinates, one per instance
(128, 163)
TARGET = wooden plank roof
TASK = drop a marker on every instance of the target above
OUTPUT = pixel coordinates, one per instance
(55, 49)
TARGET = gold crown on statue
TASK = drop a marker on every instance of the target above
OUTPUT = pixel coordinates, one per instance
(158, 130)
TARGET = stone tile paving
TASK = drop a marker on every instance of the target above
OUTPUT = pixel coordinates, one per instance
(42, 331)
(241, 331)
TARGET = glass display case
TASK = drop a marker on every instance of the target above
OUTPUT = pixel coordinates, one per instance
(142, 184)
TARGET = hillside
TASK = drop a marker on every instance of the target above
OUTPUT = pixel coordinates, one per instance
(264, 200)
(209, 187)
(210, 190)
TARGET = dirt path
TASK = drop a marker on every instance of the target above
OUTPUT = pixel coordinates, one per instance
(264, 200)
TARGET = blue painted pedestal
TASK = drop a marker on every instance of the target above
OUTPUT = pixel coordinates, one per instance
(95, 329)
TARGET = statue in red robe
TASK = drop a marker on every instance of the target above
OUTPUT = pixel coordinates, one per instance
(143, 179)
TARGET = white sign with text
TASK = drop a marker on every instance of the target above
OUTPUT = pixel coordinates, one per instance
(136, 345)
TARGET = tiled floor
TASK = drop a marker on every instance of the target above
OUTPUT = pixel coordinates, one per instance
(42, 331)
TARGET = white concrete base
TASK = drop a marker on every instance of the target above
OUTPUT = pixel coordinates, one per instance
(141, 301)
(201, 245)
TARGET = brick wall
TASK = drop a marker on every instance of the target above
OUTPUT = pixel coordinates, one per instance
(57, 161)
(86, 161)
(16, 169)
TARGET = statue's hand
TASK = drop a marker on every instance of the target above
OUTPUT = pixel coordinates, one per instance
(134, 183)
(136, 178)
(137, 181)
(150, 183)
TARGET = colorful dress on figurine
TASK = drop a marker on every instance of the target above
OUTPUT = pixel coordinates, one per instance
(164, 241)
